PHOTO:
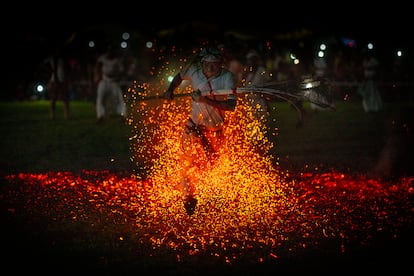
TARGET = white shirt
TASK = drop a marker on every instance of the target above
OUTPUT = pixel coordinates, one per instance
(203, 113)
(111, 67)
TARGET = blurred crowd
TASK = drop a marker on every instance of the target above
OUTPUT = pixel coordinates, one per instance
(339, 62)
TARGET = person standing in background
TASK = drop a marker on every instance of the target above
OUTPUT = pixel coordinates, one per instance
(371, 97)
(109, 93)
(57, 85)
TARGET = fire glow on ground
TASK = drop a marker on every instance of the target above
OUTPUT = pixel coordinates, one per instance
(246, 219)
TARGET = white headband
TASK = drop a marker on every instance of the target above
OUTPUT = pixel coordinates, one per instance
(211, 58)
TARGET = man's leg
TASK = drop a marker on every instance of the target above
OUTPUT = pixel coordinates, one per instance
(65, 99)
(120, 102)
(100, 109)
(53, 97)
(188, 171)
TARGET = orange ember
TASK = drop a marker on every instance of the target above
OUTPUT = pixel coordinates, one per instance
(239, 216)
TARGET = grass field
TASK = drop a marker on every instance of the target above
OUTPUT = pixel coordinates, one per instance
(73, 207)
(346, 139)
(34, 143)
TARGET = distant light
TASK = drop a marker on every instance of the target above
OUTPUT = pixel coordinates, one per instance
(170, 78)
(370, 46)
(322, 47)
(124, 44)
(149, 44)
(349, 42)
(91, 44)
(40, 88)
(296, 61)
(125, 36)
(399, 53)
(321, 54)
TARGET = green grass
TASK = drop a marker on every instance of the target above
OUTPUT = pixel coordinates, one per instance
(330, 138)
(31, 142)
(347, 138)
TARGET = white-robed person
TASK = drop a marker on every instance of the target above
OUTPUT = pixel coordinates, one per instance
(110, 67)
(207, 114)
(371, 96)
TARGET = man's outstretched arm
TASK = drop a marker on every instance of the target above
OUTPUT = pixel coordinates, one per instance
(169, 94)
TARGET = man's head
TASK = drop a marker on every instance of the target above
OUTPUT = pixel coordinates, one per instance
(211, 54)
(211, 61)
(253, 58)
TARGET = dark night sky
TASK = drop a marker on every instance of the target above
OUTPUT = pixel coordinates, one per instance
(355, 18)
(351, 21)
(37, 28)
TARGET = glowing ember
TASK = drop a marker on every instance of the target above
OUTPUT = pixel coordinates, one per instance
(255, 219)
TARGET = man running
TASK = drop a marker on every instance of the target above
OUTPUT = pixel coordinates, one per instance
(206, 119)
